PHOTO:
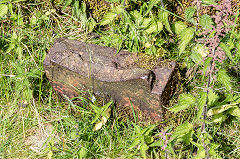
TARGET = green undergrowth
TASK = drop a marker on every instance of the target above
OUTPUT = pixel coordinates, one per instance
(36, 123)
(44, 130)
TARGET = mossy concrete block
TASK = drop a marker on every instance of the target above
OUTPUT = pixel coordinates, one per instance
(72, 65)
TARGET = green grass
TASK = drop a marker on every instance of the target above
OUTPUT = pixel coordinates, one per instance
(38, 130)
(47, 126)
(35, 123)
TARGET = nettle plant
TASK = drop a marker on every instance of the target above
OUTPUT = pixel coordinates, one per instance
(138, 30)
(215, 50)
(210, 44)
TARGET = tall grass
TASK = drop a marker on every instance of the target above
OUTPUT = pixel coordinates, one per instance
(36, 123)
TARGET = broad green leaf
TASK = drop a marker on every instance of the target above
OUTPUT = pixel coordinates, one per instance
(189, 13)
(201, 103)
(218, 118)
(235, 111)
(224, 79)
(198, 52)
(185, 100)
(206, 21)
(154, 27)
(178, 27)
(212, 98)
(118, 9)
(185, 37)
(219, 109)
(146, 22)
(227, 50)
(196, 56)
(200, 154)
(108, 18)
(163, 16)
(182, 130)
(209, 2)
(3, 10)
(179, 107)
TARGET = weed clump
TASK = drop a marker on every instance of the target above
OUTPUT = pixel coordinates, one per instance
(98, 8)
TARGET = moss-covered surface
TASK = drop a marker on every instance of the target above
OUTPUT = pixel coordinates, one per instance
(98, 8)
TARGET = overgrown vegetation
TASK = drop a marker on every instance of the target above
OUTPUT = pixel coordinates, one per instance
(204, 39)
